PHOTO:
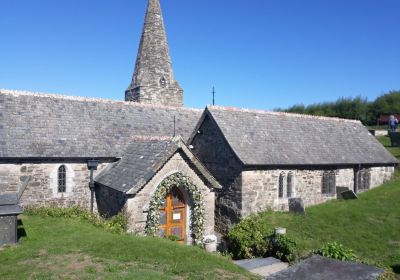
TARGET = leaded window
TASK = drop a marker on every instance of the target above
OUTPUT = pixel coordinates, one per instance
(328, 182)
(325, 183)
(62, 179)
(281, 180)
(289, 185)
(332, 182)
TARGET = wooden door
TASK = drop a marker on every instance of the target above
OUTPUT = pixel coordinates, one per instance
(173, 215)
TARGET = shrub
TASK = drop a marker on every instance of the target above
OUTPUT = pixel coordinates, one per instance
(337, 251)
(283, 248)
(249, 238)
(117, 223)
(173, 237)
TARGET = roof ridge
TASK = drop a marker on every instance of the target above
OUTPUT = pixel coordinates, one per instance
(89, 99)
(152, 138)
(246, 110)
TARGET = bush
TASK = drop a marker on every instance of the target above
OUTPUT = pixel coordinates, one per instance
(173, 237)
(283, 248)
(249, 238)
(337, 251)
(252, 238)
(117, 224)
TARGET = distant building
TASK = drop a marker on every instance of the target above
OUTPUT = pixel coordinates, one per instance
(175, 170)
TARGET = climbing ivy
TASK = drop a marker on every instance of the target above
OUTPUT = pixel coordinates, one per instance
(197, 213)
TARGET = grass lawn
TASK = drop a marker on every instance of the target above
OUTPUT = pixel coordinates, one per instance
(369, 225)
(385, 141)
(60, 248)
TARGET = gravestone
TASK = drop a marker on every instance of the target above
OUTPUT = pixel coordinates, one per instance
(349, 195)
(9, 210)
(394, 138)
(296, 205)
(339, 191)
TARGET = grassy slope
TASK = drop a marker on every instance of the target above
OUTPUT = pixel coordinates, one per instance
(57, 248)
(369, 225)
(386, 142)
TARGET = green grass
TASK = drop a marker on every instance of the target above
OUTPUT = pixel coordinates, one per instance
(369, 225)
(385, 141)
(62, 248)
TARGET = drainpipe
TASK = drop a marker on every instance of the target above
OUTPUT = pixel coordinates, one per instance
(356, 181)
(92, 165)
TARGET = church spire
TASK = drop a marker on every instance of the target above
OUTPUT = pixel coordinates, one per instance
(153, 80)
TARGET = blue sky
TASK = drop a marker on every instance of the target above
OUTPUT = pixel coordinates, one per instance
(258, 54)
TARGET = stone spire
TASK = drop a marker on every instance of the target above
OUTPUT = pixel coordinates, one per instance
(153, 80)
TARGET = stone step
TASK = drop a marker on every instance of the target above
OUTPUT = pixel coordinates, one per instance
(262, 266)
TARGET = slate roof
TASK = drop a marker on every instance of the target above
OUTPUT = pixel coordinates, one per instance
(56, 126)
(142, 159)
(273, 138)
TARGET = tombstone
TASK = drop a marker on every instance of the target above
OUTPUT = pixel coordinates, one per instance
(9, 210)
(296, 205)
(394, 138)
(349, 194)
(339, 191)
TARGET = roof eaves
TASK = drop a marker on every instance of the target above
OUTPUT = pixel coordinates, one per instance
(155, 168)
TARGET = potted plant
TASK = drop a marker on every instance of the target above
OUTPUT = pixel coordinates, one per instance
(210, 243)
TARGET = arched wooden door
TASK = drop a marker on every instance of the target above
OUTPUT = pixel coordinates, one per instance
(173, 215)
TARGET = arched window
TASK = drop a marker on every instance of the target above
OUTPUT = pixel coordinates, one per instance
(62, 179)
(163, 82)
(281, 180)
(289, 185)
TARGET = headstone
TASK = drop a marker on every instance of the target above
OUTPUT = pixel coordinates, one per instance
(339, 191)
(395, 138)
(9, 210)
(349, 195)
(296, 205)
(280, 231)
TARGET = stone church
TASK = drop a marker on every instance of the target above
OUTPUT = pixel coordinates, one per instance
(175, 170)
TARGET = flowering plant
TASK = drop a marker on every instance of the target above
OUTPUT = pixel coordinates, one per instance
(197, 213)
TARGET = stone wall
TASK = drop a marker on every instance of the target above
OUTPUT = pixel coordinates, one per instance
(137, 206)
(214, 152)
(42, 189)
(380, 175)
(109, 201)
(260, 187)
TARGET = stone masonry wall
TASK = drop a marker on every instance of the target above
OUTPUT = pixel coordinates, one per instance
(42, 188)
(214, 152)
(137, 206)
(380, 175)
(260, 187)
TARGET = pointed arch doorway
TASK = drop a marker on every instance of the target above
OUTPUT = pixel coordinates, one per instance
(173, 215)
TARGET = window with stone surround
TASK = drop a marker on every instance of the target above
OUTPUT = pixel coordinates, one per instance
(363, 179)
(62, 179)
(281, 186)
(328, 182)
(290, 185)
